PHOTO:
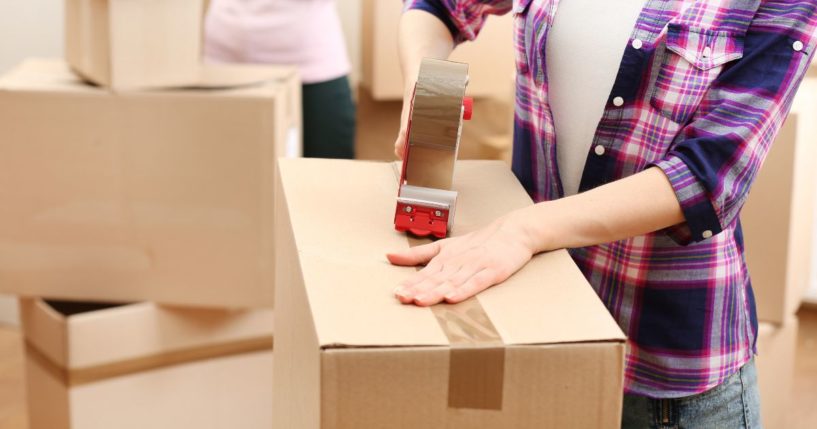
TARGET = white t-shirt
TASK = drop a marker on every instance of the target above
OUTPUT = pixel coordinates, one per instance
(306, 33)
(583, 54)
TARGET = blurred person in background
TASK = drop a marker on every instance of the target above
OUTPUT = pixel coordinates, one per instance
(305, 33)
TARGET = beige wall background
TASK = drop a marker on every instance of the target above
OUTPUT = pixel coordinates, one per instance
(34, 28)
(29, 28)
(806, 106)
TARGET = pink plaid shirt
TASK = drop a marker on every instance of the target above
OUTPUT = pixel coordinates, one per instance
(701, 92)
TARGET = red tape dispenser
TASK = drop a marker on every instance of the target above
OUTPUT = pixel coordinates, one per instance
(425, 200)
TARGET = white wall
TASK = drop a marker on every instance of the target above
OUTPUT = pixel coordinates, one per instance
(349, 11)
(27, 28)
(806, 106)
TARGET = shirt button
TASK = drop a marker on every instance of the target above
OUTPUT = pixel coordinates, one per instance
(637, 44)
(707, 52)
(798, 46)
(618, 101)
(599, 150)
(707, 234)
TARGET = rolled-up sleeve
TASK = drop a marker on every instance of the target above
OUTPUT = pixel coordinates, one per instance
(464, 18)
(716, 157)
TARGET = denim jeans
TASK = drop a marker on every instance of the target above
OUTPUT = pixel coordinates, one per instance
(733, 404)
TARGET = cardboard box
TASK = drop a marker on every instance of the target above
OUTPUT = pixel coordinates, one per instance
(94, 366)
(776, 346)
(488, 135)
(162, 196)
(126, 44)
(539, 350)
(778, 225)
(490, 57)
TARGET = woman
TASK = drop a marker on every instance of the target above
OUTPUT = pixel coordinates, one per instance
(305, 33)
(639, 128)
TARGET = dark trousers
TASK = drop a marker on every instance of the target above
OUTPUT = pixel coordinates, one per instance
(329, 119)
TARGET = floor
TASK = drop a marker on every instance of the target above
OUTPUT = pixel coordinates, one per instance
(803, 409)
(803, 406)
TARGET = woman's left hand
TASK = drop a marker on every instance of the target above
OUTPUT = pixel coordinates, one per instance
(461, 267)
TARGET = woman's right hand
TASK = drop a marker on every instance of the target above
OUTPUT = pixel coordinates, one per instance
(421, 35)
(400, 142)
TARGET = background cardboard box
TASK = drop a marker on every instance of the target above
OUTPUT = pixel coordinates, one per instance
(163, 196)
(491, 56)
(775, 368)
(778, 223)
(94, 366)
(540, 350)
(125, 44)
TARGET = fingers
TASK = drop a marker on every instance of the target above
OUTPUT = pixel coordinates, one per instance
(434, 294)
(432, 284)
(409, 288)
(435, 287)
(474, 285)
(451, 288)
(418, 255)
(400, 144)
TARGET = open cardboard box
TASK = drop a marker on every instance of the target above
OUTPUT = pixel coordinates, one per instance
(540, 350)
(142, 365)
(128, 44)
(162, 196)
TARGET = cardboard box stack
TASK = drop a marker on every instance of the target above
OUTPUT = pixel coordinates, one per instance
(777, 225)
(137, 225)
(487, 136)
(540, 350)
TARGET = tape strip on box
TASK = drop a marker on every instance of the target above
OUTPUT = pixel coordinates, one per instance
(476, 367)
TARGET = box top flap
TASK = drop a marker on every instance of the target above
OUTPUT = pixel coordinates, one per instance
(226, 76)
(37, 74)
(342, 218)
(135, 331)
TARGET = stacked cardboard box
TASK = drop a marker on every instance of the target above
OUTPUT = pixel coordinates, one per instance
(162, 195)
(137, 222)
(777, 223)
(538, 351)
(125, 44)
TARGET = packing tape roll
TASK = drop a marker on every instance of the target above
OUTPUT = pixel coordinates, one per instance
(436, 123)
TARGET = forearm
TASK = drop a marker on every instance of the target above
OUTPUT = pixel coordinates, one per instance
(636, 205)
(421, 35)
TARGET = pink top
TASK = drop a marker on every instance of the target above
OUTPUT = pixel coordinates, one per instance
(306, 33)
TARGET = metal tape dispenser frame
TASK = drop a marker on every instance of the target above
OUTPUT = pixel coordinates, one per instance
(425, 200)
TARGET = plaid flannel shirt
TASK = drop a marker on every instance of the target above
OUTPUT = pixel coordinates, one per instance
(701, 92)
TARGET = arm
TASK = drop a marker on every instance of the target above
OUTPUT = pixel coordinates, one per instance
(420, 35)
(636, 205)
(462, 267)
(432, 28)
